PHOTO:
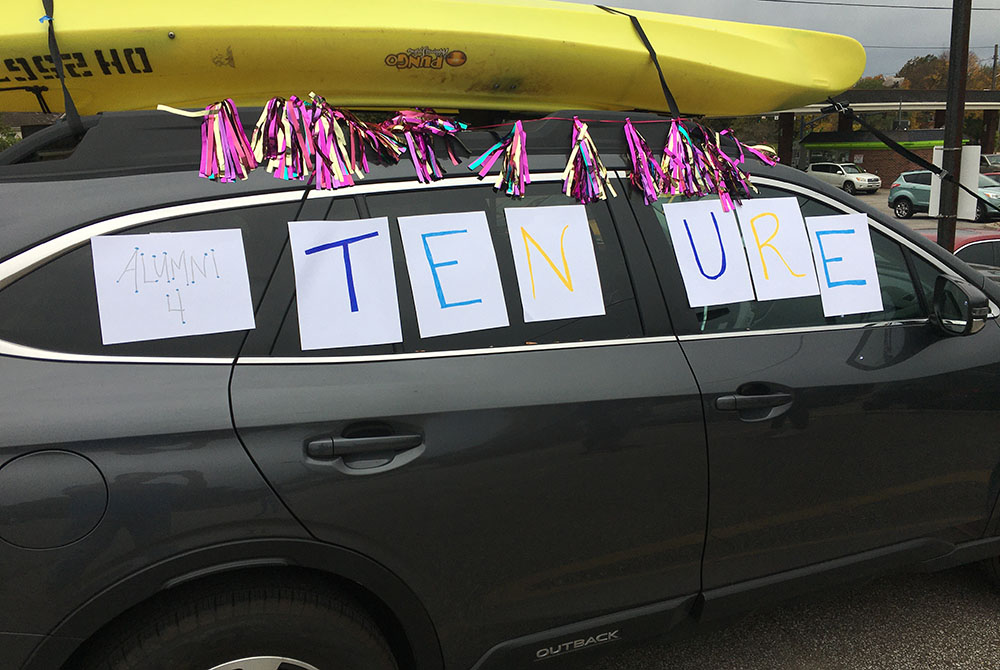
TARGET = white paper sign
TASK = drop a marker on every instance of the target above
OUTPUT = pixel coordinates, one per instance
(845, 264)
(344, 283)
(453, 272)
(555, 262)
(171, 284)
(777, 248)
(709, 251)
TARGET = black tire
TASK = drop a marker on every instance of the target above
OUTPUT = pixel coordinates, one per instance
(849, 187)
(902, 208)
(212, 628)
(980, 212)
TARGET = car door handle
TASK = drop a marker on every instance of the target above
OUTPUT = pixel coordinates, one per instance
(335, 447)
(738, 402)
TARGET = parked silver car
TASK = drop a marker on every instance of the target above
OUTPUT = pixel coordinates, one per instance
(847, 176)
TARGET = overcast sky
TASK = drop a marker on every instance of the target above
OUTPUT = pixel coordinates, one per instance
(922, 31)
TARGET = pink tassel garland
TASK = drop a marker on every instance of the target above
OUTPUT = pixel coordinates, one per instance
(419, 128)
(514, 174)
(585, 177)
(225, 150)
(282, 140)
(646, 175)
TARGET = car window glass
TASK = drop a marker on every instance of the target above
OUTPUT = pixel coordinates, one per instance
(620, 321)
(922, 178)
(899, 294)
(987, 182)
(54, 307)
(978, 252)
(851, 169)
(927, 275)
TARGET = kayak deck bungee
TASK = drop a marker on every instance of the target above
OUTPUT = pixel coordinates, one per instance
(532, 56)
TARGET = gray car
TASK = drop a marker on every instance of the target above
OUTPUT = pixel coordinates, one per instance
(500, 498)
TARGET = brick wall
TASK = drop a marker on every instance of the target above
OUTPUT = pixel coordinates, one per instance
(887, 164)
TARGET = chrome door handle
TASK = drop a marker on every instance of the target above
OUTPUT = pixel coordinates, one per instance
(738, 402)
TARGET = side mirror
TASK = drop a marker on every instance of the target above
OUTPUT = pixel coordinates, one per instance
(840, 171)
(958, 308)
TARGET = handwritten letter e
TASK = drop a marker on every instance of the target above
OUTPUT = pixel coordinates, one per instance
(709, 252)
(779, 256)
(844, 259)
(573, 287)
(453, 273)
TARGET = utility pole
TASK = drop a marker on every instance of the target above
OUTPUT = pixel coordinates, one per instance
(954, 118)
(993, 87)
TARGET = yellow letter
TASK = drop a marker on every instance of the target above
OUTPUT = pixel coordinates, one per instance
(566, 280)
(767, 243)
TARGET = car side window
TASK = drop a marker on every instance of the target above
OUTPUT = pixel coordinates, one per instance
(899, 293)
(621, 319)
(54, 307)
(921, 178)
(978, 252)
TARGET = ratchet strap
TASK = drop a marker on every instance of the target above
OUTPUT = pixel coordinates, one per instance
(845, 109)
(671, 103)
(72, 116)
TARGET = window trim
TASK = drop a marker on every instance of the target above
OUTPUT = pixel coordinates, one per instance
(30, 259)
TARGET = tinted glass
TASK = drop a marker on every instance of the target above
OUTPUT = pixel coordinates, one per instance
(620, 321)
(922, 178)
(987, 182)
(851, 169)
(55, 306)
(979, 252)
(899, 294)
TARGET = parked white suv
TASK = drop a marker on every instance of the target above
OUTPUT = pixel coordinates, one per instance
(847, 176)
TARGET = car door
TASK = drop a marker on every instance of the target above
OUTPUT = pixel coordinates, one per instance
(544, 473)
(837, 441)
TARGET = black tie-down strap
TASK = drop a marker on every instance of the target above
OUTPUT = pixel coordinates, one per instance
(72, 116)
(845, 109)
(671, 103)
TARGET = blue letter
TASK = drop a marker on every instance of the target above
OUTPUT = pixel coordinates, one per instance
(827, 261)
(721, 248)
(347, 261)
(435, 266)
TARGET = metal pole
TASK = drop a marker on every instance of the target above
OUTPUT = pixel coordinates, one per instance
(993, 87)
(954, 118)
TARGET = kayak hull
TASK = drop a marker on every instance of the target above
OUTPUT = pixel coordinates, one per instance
(446, 54)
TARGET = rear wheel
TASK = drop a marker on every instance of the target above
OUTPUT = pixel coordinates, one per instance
(849, 187)
(980, 212)
(903, 208)
(235, 625)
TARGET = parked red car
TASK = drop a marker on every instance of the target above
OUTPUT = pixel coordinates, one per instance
(973, 245)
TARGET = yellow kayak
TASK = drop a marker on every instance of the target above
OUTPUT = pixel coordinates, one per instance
(528, 55)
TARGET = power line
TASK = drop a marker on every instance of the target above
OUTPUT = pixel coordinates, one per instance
(898, 46)
(873, 5)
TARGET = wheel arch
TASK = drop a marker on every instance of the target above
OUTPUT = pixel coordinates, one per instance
(395, 607)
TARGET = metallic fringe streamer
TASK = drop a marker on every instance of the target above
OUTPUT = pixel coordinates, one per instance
(585, 177)
(646, 175)
(282, 140)
(225, 150)
(514, 174)
(419, 128)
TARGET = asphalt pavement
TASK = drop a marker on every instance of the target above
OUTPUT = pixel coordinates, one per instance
(948, 620)
(902, 622)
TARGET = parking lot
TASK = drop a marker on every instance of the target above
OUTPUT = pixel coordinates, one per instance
(901, 622)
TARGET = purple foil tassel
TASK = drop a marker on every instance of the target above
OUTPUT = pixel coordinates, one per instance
(282, 140)
(514, 174)
(225, 150)
(419, 128)
(585, 177)
(646, 175)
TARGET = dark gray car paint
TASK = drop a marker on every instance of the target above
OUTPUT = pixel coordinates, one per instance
(570, 484)
(178, 478)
